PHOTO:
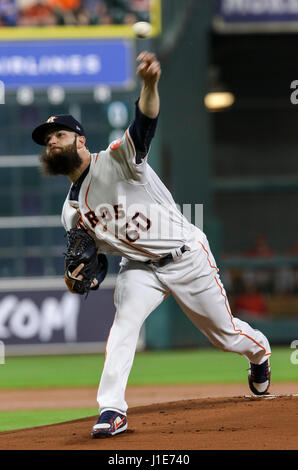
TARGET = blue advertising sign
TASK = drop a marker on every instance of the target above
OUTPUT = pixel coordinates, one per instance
(261, 15)
(55, 317)
(72, 64)
(35, 319)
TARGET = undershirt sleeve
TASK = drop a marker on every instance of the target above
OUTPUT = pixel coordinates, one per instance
(142, 131)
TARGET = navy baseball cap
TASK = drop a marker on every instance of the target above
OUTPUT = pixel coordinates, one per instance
(60, 121)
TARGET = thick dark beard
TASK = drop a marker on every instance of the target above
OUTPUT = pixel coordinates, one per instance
(63, 162)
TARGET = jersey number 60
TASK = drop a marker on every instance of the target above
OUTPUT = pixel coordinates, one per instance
(130, 230)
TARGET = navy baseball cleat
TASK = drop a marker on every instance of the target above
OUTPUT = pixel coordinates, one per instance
(109, 423)
(259, 377)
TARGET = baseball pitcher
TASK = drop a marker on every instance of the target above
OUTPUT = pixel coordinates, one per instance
(117, 204)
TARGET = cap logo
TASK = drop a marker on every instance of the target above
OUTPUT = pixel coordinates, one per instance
(52, 119)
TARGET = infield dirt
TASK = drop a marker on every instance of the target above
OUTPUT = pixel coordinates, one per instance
(211, 418)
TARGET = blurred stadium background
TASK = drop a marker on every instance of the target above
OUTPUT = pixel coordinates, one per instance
(237, 157)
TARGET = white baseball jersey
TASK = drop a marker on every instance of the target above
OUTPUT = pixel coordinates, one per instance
(129, 212)
(127, 208)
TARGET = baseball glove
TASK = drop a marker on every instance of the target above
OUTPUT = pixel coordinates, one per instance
(81, 248)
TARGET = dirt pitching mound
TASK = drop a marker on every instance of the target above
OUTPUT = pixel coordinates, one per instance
(244, 422)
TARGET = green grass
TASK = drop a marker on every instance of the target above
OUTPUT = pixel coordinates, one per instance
(51, 371)
(157, 367)
(11, 420)
(205, 366)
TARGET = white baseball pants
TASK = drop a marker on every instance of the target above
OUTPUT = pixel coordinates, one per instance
(194, 282)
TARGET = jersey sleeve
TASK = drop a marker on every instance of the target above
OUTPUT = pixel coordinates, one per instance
(70, 216)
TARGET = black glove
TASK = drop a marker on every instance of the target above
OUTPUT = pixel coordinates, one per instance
(81, 248)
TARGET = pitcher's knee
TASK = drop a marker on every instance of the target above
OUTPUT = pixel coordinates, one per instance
(228, 343)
